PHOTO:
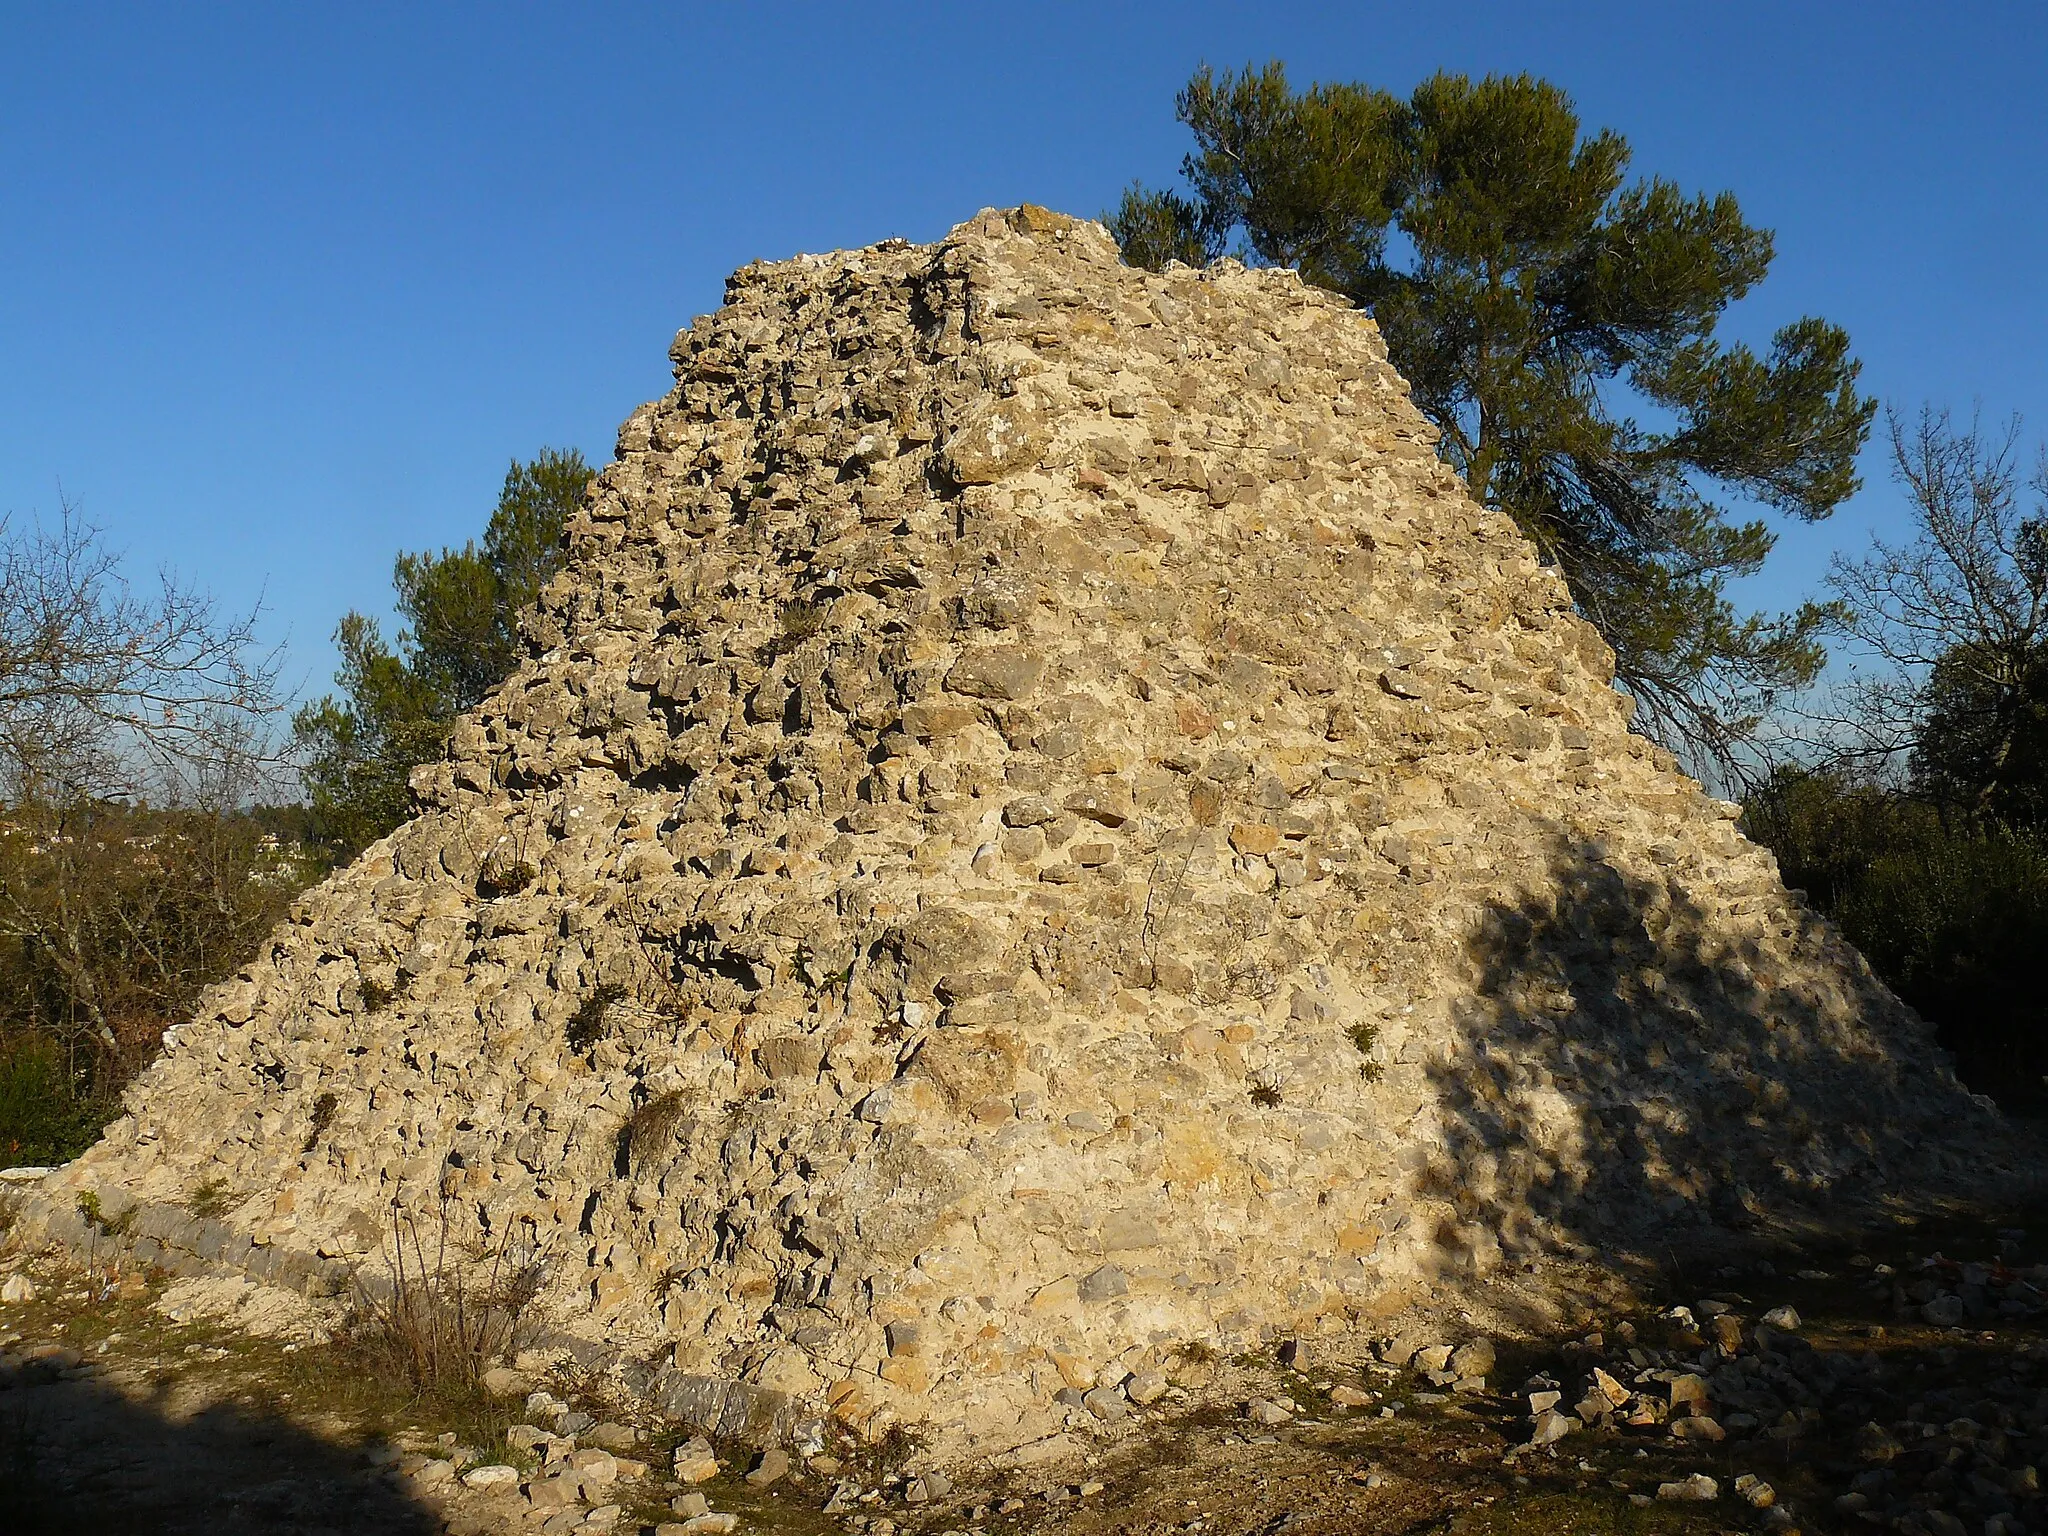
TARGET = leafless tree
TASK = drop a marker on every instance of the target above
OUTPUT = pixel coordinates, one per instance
(1968, 592)
(134, 728)
(104, 688)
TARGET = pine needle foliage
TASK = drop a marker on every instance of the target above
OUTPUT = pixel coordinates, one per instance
(397, 704)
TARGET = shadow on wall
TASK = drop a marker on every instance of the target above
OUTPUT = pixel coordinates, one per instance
(76, 1457)
(1634, 1059)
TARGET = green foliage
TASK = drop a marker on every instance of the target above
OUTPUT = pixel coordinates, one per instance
(48, 1113)
(397, 705)
(1955, 926)
(358, 750)
(1153, 228)
(1951, 913)
(1533, 285)
(1983, 740)
(587, 1025)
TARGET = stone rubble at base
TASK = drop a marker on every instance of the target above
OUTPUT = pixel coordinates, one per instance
(1042, 834)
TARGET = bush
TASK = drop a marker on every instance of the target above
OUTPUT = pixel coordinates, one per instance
(1953, 916)
(48, 1113)
(435, 1321)
(113, 919)
(1957, 926)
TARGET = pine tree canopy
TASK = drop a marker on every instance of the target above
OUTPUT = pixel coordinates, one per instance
(1556, 321)
(461, 639)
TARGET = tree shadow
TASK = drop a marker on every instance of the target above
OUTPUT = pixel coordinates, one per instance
(76, 1456)
(1638, 1059)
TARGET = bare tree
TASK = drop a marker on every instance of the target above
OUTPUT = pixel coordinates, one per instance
(104, 689)
(1961, 610)
(112, 914)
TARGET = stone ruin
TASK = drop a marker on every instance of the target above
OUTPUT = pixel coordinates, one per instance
(1041, 833)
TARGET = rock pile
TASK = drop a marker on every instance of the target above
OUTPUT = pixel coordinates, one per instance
(1040, 831)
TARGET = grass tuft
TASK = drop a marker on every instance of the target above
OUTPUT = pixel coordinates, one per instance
(587, 1025)
(651, 1126)
(323, 1116)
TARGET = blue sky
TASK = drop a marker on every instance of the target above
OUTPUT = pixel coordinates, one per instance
(284, 288)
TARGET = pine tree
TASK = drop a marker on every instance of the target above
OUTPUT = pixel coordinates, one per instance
(461, 607)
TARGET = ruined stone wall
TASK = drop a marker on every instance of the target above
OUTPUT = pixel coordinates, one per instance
(1041, 827)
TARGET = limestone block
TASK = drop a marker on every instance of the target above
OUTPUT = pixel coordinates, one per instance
(994, 436)
(996, 672)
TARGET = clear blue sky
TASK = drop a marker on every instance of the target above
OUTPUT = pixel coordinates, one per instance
(283, 288)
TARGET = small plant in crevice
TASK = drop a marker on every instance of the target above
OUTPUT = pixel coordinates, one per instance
(1365, 1035)
(799, 621)
(507, 869)
(649, 1127)
(323, 1116)
(89, 1207)
(816, 978)
(210, 1199)
(587, 1025)
(878, 1461)
(376, 997)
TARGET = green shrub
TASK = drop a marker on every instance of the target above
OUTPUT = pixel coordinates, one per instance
(1953, 916)
(48, 1113)
(1957, 926)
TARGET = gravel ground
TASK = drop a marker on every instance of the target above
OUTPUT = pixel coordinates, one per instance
(1898, 1383)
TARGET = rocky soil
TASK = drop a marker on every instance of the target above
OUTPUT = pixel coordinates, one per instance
(1897, 1382)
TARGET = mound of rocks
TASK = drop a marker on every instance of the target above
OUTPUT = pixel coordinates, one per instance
(1039, 832)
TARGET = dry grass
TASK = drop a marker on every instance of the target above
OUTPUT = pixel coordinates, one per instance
(651, 1126)
(323, 1116)
(436, 1323)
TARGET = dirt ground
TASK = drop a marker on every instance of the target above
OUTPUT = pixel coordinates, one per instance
(1910, 1393)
